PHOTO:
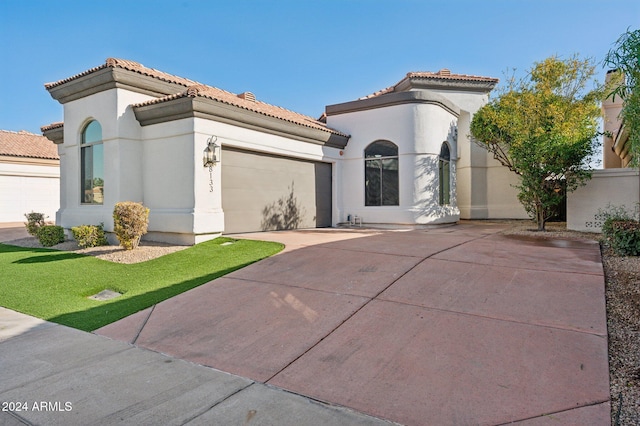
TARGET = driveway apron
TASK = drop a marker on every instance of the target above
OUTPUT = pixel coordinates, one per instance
(445, 325)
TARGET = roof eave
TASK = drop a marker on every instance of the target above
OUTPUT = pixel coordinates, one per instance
(393, 99)
(55, 133)
(110, 78)
(177, 108)
(622, 145)
(435, 83)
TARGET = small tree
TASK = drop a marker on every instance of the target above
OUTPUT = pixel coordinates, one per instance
(544, 129)
(34, 222)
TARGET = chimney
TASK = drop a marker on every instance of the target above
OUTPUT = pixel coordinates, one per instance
(247, 96)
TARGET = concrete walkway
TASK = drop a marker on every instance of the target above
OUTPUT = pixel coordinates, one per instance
(449, 326)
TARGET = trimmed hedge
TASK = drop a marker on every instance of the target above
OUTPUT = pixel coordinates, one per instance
(50, 235)
(89, 235)
(130, 222)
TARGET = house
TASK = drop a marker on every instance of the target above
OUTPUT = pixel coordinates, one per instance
(617, 184)
(29, 176)
(402, 155)
(616, 147)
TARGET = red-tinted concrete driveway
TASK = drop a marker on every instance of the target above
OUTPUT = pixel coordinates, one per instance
(447, 326)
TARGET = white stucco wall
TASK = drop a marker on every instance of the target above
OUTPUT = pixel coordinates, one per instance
(485, 187)
(468, 101)
(26, 187)
(122, 148)
(616, 187)
(418, 130)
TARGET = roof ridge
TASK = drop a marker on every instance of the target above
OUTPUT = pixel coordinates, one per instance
(444, 74)
(130, 66)
(20, 132)
(447, 74)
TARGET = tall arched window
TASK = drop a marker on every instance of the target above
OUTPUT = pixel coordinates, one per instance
(444, 174)
(381, 174)
(92, 165)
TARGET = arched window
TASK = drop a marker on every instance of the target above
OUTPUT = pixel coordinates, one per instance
(444, 174)
(92, 165)
(381, 174)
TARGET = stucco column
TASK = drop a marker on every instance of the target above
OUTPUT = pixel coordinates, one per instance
(208, 216)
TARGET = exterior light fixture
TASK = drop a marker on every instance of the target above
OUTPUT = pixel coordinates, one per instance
(211, 157)
(211, 154)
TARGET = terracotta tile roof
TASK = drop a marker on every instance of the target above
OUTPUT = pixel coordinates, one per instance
(25, 144)
(379, 92)
(52, 126)
(246, 102)
(130, 66)
(443, 74)
(446, 74)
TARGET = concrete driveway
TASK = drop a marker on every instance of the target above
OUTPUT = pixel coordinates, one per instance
(446, 326)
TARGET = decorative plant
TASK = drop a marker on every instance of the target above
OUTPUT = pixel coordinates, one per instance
(34, 222)
(130, 221)
(544, 128)
(89, 235)
(621, 230)
(50, 235)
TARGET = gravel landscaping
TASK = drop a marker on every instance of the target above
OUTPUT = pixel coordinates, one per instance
(622, 276)
(147, 250)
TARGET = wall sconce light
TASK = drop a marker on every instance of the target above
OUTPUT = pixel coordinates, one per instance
(211, 154)
(211, 157)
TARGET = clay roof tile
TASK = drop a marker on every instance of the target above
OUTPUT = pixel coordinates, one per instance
(193, 88)
(249, 104)
(25, 144)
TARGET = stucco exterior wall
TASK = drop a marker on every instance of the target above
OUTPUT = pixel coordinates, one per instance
(27, 186)
(617, 187)
(259, 142)
(468, 101)
(485, 187)
(122, 148)
(418, 129)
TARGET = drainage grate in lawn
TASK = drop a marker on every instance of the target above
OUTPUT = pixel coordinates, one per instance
(105, 295)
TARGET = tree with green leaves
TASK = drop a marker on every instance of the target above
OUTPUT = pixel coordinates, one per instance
(544, 128)
(625, 57)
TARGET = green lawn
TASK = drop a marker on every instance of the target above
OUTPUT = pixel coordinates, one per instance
(55, 285)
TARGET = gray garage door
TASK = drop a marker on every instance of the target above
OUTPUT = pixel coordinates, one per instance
(263, 192)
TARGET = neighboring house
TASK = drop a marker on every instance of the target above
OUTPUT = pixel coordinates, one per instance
(29, 176)
(616, 147)
(616, 185)
(400, 156)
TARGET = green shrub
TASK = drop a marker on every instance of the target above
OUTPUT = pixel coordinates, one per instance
(89, 235)
(34, 222)
(624, 237)
(50, 235)
(130, 222)
(621, 230)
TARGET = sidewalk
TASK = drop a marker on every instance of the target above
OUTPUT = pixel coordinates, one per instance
(456, 325)
(55, 375)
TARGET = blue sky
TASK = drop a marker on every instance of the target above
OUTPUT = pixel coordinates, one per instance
(298, 54)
